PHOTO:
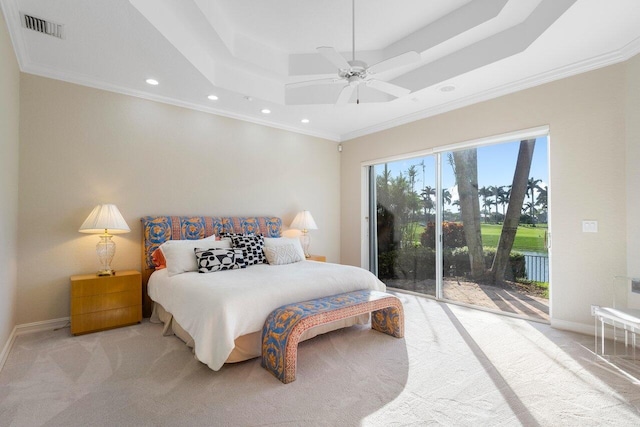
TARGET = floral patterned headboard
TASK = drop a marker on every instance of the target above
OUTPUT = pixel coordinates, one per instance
(158, 229)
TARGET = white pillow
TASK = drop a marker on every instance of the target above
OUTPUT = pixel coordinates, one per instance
(180, 255)
(282, 254)
(272, 242)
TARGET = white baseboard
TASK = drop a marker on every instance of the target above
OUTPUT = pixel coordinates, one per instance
(7, 348)
(45, 325)
(580, 328)
(28, 328)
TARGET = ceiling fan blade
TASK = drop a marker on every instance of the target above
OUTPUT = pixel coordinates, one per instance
(406, 58)
(328, 81)
(345, 95)
(334, 57)
(389, 88)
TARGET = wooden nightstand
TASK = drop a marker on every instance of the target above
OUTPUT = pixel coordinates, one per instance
(320, 258)
(105, 302)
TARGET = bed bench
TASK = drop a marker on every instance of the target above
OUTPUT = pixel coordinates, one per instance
(284, 326)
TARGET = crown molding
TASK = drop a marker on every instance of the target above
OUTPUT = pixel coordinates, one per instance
(611, 58)
(12, 19)
(96, 84)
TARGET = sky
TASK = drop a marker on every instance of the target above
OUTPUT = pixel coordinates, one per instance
(496, 165)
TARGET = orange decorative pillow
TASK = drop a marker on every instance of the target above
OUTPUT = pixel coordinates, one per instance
(158, 259)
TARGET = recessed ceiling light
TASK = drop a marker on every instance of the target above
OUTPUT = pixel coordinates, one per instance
(265, 111)
(447, 88)
(152, 82)
(212, 97)
(305, 121)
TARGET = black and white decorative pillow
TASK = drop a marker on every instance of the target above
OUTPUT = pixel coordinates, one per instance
(251, 248)
(210, 260)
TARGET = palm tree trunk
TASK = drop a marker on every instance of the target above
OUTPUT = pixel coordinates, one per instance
(512, 218)
(466, 170)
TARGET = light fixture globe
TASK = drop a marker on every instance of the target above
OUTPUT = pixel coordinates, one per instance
(105, 219)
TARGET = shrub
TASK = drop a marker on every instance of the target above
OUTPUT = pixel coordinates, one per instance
(458, 259)
(452, 233)
(418, 263)
(386, 264)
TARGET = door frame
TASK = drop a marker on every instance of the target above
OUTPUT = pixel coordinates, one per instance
(367, 226)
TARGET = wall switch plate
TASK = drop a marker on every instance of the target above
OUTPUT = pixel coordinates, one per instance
(589, 226)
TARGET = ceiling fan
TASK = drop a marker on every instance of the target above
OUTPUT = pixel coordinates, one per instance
(355, 73)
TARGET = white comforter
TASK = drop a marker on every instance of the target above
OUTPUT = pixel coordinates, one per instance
(216, 308)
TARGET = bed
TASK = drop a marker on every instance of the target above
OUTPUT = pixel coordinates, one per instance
(221, 314)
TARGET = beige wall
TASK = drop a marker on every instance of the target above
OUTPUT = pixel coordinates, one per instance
(81, 146)
(586, 116)
(9, 118)
(633, 166)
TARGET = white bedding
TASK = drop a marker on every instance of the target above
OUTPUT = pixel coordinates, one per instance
(216, 308)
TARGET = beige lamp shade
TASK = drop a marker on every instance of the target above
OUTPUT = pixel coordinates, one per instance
(304, 221)
(105, 219)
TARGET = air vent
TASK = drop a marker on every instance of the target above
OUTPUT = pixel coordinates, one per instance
(42, 26)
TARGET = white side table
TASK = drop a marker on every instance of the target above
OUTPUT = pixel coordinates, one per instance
(627, 319)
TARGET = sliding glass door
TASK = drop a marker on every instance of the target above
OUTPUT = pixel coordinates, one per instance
(467, 225)
(404, 208)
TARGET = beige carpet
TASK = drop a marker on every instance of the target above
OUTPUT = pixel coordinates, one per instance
(455, 367)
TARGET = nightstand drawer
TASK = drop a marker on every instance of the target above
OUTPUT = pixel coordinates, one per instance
(93, 303)
(91, 322)
(105, 302)
(90, 284)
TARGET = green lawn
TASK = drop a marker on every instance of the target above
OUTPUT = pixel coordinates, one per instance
(530, 239)
(527, 238)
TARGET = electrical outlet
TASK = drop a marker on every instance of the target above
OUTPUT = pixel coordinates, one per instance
(593, 309)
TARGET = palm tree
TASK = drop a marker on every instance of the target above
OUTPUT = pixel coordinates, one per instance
(426, 194)
(487, 208)
(445, 200)
(484, 193)
(446, 197)
(465, 164)
(529, 209)
(504, 191)
(512, 218)
(493, 192)
(412, 172)
(421, 164)
(542, 198)
(532, 186)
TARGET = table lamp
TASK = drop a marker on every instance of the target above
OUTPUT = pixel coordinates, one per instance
(304, 222)
(105, 219)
